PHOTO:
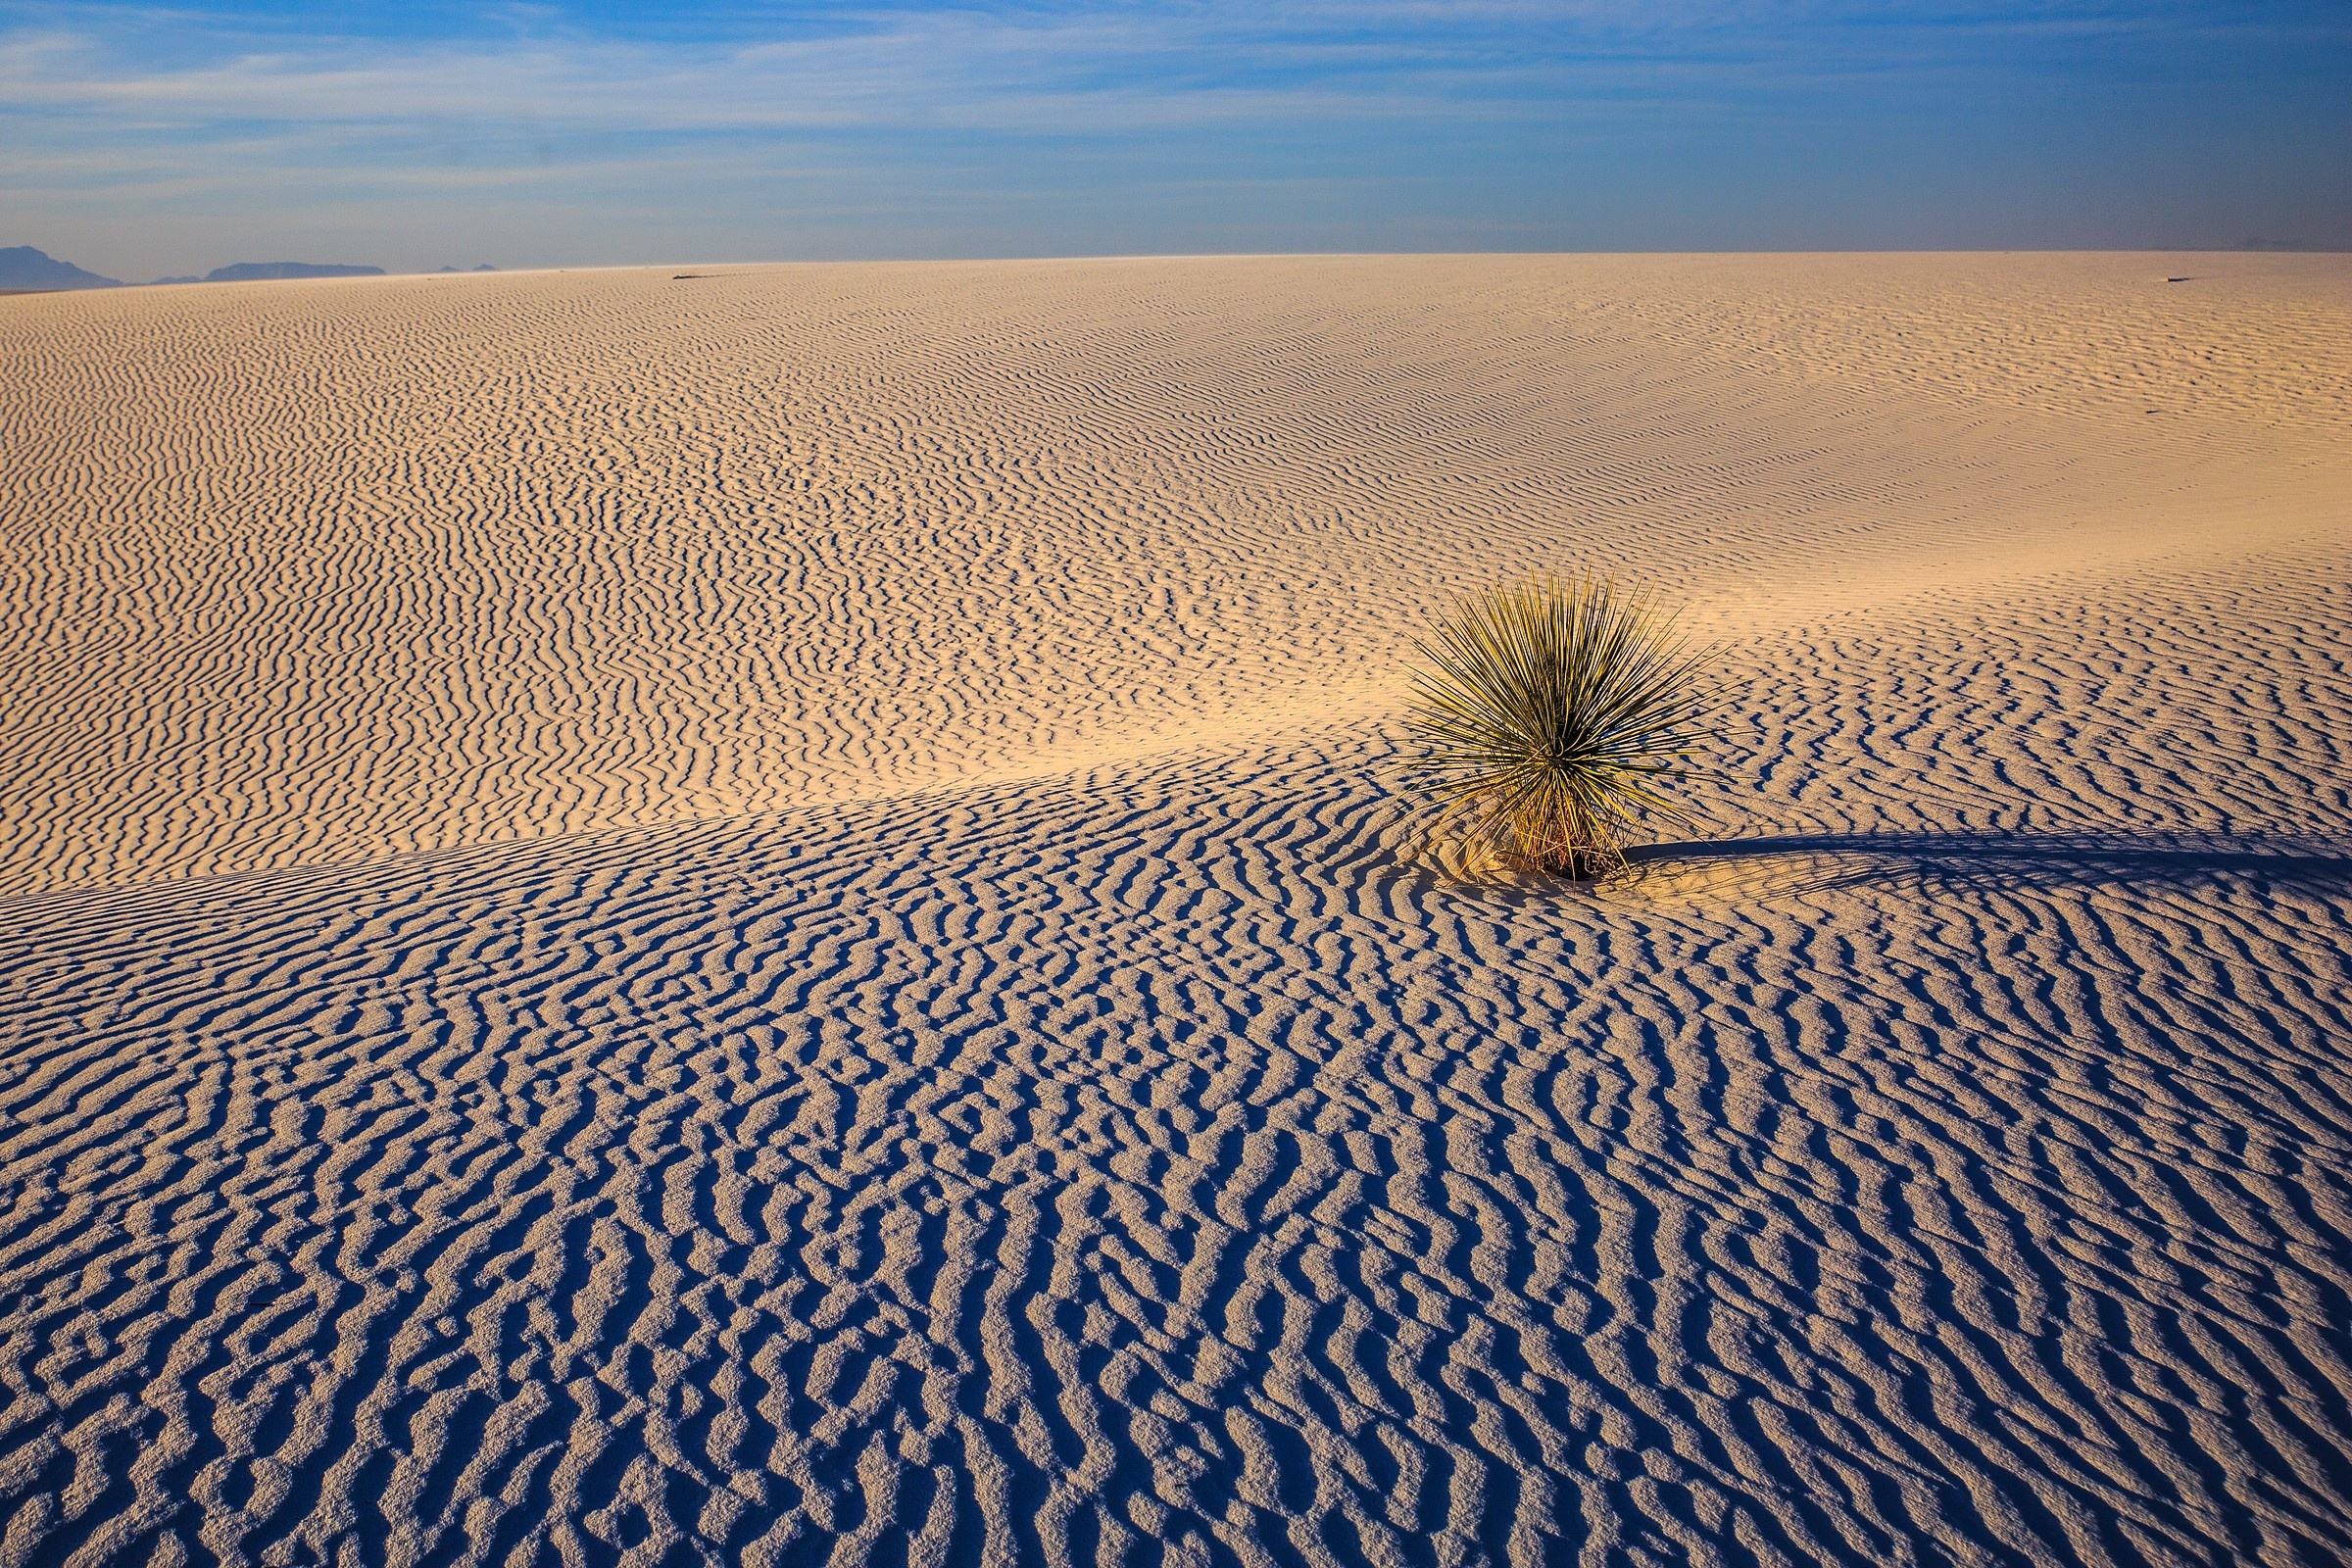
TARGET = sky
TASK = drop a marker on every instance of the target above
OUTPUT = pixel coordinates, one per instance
(138, 141)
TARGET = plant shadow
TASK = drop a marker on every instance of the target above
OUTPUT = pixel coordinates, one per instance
(1993, 862)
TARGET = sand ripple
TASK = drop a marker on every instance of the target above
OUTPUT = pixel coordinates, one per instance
(308, 573)
(1152, 1159)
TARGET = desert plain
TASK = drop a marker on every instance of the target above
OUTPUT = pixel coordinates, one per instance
(772, 916)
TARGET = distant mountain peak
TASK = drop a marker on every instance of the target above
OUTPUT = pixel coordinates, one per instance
(24, 268)
(258, 272)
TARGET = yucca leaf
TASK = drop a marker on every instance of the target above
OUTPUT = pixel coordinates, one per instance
(1548, 711)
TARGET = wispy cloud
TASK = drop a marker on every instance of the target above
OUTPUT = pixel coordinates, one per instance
(1022, 73)
(1017, 67)
(248, 106)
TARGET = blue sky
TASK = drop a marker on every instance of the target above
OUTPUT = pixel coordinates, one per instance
(138, 141)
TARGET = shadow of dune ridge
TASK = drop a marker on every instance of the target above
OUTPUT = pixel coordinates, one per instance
(2017, 860)
(1035, 1170)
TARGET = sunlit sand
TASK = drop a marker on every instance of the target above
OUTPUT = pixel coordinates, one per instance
(772, 917)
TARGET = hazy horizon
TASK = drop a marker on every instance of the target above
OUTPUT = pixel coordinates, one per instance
(146, 143)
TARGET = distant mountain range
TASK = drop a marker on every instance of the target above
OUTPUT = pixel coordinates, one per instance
(24, 268)
(263, 271)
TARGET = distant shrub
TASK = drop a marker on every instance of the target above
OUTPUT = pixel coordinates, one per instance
(1548, 713)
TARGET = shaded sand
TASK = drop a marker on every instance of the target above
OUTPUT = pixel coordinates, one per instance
(767, 919)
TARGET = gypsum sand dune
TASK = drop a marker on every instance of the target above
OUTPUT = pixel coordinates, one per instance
(973, 1153)
(305, 575)
(1151, 1162)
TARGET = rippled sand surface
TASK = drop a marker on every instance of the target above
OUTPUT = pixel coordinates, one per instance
(769, 918)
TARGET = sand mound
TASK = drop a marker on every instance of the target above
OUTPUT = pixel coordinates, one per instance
(446, 1121)
(310, 574)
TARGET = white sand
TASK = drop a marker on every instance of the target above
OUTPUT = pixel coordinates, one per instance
(744, 919)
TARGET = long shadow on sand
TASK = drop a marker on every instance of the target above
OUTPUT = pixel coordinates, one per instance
(2008, 861)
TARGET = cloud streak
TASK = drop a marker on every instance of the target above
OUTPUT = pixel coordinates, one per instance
(1027, 67)
(242, 108)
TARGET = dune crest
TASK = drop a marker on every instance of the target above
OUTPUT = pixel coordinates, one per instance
(302, 575)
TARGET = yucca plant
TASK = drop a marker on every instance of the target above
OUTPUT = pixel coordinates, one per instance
(1548, 714)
